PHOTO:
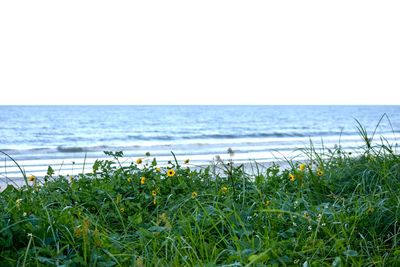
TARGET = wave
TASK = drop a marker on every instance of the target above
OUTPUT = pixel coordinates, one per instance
(191, 136)
(70, 149)
(193, 143)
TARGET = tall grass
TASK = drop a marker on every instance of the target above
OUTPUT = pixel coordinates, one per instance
(334, 209)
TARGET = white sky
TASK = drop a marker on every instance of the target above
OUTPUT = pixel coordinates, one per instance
(199, 52)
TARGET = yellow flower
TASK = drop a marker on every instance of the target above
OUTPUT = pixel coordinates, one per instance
(142, 180)
(291, 177)
(129, 179)
(224, 189)
(139, 161)
(154, 193)
(122, 210)
(158, 169)
(302, 167)
(186, 161)
(194, 194)
(31, 178)
(320, 172)
(170, 173)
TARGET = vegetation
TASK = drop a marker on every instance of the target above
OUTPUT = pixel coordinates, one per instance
(334, 209)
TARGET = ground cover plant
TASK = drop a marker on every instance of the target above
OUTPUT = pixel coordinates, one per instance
(333, 209)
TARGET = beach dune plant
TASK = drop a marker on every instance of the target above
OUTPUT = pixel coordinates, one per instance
(333, 209)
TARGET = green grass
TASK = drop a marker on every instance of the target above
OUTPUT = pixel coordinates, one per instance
(345, 215)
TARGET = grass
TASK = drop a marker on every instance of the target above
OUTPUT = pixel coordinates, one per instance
(334, 210)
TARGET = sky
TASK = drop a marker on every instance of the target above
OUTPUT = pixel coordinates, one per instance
(199, 52)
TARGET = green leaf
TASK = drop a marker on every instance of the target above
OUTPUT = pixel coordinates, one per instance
(259, 180)
(96, 165)
(262, 257)
(337, 262)
(46, 260)
(144, 233)
(136, 219)
(350, 253)
(50, 171)
(116, 154)
(156, 229)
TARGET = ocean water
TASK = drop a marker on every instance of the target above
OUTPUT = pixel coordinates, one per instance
(62, 136)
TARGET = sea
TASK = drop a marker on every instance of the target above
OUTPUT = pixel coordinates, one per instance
(71, 138)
